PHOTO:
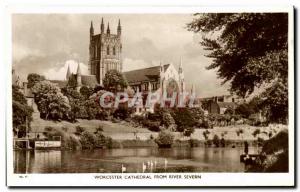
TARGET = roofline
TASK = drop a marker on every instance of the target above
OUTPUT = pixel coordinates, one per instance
(145, 68)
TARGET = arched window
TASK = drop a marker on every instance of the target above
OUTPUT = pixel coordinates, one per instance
(107, 50)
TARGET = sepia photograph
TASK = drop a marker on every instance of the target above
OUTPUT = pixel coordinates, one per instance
(151, 94)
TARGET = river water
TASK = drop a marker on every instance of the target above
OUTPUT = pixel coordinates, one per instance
(112, 160)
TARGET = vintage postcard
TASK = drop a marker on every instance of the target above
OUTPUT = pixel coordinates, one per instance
(150, 96)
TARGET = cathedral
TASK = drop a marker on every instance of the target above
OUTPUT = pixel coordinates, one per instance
(105, 53)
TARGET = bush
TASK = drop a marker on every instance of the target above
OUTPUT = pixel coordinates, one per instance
(152, 125)
(216, 140)
(188, 131)
(137, 119)
(183, 118)
(167, 119)
(79, 130)
(65, 129)
(165, 139)
(87, 140)
(122, 112)
(99, 129)
(100, 140)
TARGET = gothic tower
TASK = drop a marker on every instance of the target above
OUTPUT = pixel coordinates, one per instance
(105, 51)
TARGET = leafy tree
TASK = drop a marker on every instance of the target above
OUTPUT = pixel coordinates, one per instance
(76, 101)
(22, 113)
(245, 110)
(183, 118)
(51, 103)
(114, 81)
(34, 78)
(249, 50)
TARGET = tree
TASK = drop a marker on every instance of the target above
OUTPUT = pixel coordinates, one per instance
(34, 78)
(249, 50)
(183, 118)
(76, 101)
(114, 80)
(51, 103)
(22, 113)
(245, 110)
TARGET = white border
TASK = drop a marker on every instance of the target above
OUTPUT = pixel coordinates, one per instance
(208, 179)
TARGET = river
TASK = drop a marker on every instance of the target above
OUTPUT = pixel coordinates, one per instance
(111, 160)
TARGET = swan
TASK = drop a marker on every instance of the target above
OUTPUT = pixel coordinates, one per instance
(123, 169)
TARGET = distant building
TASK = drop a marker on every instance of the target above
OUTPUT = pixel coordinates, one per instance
(80, 79)
(219, 104)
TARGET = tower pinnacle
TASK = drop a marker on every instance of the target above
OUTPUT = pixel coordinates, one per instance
(68, 73)
(119, 30)
(108, 30)
(102, 26)
(91, 29)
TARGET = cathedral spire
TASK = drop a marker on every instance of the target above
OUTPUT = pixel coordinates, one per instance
(102, 26)
(119, 30)
(68, 73)
(91, 29)
(108, 30)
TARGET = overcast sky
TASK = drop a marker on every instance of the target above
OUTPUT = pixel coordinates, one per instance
(48, 43)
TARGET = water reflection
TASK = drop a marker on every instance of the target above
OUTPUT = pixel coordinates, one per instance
(111, 160)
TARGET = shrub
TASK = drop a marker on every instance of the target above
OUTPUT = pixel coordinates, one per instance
(167, 119)
(205, 134)
(256, 132)
(65, 129)
(100, 140)
(79, 130)
(99, 129)
(216, 140)
(152, 125)
(137, 119)
(222, 142)
(188, 131)
(183, 118)
(122, 112)
(87, 140)
(165, 138)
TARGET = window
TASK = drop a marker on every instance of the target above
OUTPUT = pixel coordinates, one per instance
(107, 50)
(114, 51)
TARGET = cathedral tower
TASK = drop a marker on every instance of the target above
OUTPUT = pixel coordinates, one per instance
(105, 51)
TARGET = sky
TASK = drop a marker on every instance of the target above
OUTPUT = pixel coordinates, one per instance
(48, 43)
